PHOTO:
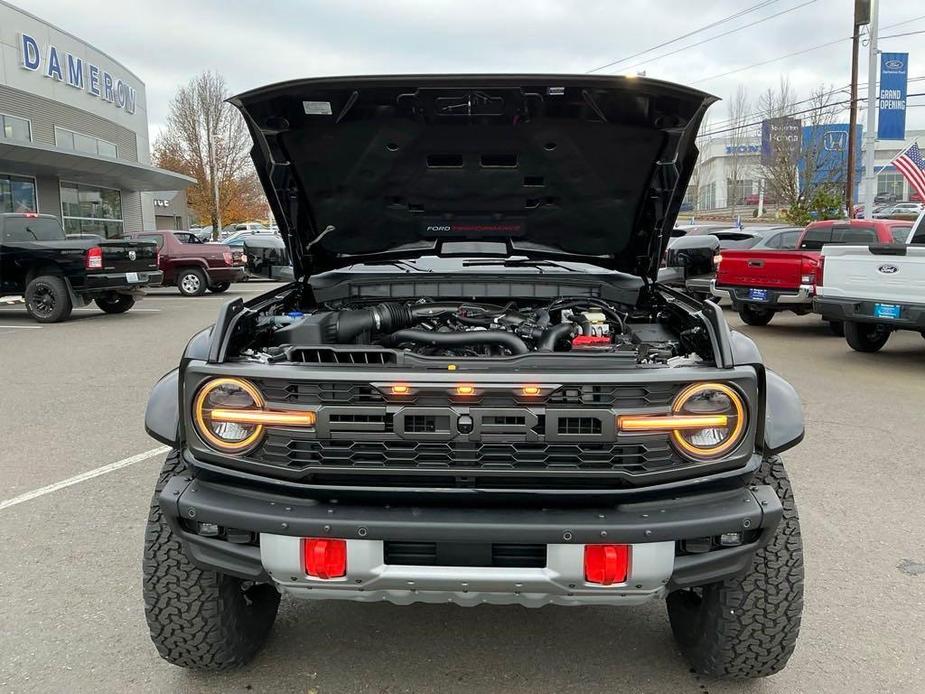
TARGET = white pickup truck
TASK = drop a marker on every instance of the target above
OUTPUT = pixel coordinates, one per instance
(874, 289)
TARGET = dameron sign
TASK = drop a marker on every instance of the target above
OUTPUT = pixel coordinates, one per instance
(74, 72)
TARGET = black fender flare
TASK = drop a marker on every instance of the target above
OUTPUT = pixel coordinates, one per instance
(162, 415)
(783, 415)
(783, 425)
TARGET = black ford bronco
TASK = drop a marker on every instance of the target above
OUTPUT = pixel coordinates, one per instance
(481, 387)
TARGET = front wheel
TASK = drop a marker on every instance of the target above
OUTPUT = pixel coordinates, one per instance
(747, 626)
(47, 299)
(119, 303)
(219, 287)
(755, 316)
(866, 337)
(199, 619)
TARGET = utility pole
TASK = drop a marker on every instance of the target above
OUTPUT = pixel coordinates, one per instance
(861, 17)
(870, 136)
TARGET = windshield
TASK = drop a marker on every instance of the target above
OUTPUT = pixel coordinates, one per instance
(32, 229)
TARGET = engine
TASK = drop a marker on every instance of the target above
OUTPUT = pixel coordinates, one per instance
(461, 329)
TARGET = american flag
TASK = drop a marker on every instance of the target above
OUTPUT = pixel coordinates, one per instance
(911, 164)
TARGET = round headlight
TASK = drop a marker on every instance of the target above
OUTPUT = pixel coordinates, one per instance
(224, 395)
(716, 402)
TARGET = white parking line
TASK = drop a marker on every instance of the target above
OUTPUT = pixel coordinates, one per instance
(132, 310)
(83, 477)
(20, 327)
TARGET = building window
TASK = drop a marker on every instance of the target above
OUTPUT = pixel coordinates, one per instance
(91, 210)
(14, 128)
(78, 142)
(707, 195)
(737, 191)
(890, 182)
(17, 194)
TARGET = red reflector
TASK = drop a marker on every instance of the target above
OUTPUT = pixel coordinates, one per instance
(94, 258)
(324, 558)
(606, 564)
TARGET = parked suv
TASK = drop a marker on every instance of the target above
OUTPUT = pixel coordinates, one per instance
(55, 273)
(478, 389)
(194, 266)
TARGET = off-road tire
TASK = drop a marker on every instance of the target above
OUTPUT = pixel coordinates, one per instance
(866, 337)
(837, 327)
(47, 299)
(746, 626)
(219, 287)
(755, 316)
(199, 619)
(192, 281)
(120, 303)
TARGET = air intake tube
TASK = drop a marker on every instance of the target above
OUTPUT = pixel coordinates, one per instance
(461, 339)
(386, 318)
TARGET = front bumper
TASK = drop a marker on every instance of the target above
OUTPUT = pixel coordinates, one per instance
(654, 528)
(911, 317)
(739, 296)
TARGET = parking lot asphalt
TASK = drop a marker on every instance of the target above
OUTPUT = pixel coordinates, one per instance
(71, 620)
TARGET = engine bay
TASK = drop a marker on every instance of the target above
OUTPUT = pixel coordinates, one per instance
(481, 330)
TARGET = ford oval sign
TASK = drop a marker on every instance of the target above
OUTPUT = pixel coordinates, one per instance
(893, 64)
(888, 269)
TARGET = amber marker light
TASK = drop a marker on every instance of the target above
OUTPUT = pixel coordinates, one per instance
(399, 389)
(530, 390)
(465, 389)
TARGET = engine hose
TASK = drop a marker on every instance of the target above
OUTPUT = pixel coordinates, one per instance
(461, 339)
(551, 337)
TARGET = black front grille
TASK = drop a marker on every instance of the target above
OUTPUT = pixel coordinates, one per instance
(621, 396)
(327, 393)
(464, 554)
(578, 426)
(461, 457)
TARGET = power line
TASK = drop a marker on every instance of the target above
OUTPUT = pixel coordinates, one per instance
(807, 50)
(718, 36)
(794, 113)
(729, 18)
(772, 60)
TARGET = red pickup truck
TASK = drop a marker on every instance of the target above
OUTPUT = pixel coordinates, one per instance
(762, 283)
(193, 265)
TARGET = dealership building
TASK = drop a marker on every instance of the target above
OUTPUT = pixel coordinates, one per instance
(74, 135)
(729, 169)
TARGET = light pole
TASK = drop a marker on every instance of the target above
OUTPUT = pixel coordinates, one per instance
(870, 136)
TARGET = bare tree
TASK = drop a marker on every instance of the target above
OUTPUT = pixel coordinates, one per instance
(779, 173)
(207, 139)
(739, 162)
(796, 174)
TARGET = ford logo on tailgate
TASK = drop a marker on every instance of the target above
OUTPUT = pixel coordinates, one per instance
(888, 269)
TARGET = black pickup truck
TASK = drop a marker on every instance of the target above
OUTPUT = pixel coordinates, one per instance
(54, 273)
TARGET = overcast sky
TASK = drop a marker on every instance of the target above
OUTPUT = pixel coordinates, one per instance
(253, 42)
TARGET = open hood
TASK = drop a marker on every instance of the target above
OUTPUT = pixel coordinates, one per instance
(366, 168)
